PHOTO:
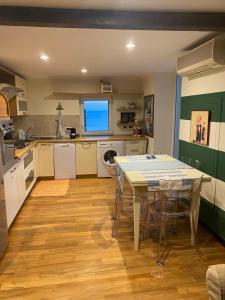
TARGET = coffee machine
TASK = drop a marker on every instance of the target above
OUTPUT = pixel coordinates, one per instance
(71, 132)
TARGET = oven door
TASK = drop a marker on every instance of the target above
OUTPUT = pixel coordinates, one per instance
(28, 159)
(29, 180)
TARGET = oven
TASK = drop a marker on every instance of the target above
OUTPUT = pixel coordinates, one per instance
(28, 166)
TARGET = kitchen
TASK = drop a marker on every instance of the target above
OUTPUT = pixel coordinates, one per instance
(58, 192)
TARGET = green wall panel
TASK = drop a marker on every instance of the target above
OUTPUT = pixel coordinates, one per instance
(221, 166)
(212, 161)
(206, 156)
(212, 102)
(223, 111)
(213, 217)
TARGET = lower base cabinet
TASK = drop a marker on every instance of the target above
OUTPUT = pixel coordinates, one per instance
(11, 197)
(86, 158)
(135, 147)
(45, 159)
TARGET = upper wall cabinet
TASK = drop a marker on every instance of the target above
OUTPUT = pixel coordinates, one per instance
(18, 105)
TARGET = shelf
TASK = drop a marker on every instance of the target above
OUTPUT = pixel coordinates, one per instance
(129, 109)
(127, 125)
(79, 96)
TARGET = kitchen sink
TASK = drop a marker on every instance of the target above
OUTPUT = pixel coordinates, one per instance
(46, 138)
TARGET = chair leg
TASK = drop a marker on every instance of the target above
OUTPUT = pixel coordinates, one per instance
(116, 222)
(115, 205)
(161, 255)
(148, 217)
(196, 243)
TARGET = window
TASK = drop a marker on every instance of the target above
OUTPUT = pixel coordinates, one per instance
(96, 116)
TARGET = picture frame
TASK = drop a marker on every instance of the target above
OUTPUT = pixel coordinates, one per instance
(148, 127)
(200, 126)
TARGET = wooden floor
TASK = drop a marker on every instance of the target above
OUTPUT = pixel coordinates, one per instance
(61, 248)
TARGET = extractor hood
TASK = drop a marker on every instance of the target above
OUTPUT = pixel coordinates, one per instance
(9, 91)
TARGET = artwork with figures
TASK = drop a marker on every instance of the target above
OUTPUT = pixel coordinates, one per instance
(149, 115)
(200, 127)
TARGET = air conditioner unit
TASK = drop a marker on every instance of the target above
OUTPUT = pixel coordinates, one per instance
(206, 57)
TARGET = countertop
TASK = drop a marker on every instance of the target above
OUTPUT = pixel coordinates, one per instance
(21, 152)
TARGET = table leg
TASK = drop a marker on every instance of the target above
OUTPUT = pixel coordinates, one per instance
(137, 192)
(137, 212)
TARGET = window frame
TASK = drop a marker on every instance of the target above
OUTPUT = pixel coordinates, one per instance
(82, 121)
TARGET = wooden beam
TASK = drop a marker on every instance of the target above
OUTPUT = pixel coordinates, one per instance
(111, 19)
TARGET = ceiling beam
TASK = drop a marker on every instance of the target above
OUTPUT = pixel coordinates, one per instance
(111, 19)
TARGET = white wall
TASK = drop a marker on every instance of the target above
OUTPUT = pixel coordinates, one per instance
(37, 105)
(39, 89)
(162, 85)
(204, 84)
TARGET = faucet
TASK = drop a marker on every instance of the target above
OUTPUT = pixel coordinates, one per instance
(28, 134)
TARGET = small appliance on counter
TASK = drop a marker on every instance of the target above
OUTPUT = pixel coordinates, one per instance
(137, 129)
(71, 132)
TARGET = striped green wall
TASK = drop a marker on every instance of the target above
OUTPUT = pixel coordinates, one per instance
(212, 159)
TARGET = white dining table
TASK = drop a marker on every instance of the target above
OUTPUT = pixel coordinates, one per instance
(142, 174)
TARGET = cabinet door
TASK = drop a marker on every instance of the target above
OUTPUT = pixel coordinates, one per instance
(135, 147)
(36, 162)
(11, 196)
(45, 156)
(86, 158)
(21, 192)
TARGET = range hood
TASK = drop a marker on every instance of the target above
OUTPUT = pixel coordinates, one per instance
(9, 91)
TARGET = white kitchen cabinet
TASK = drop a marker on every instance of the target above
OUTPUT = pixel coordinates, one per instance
(19, 105)
(11, 194)
(86, 158)
(45, 159)
(135, 147)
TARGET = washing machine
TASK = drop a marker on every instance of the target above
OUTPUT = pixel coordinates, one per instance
(106, 151)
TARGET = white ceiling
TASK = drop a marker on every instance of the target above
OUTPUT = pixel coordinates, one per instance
(166, 5)
(102, 52)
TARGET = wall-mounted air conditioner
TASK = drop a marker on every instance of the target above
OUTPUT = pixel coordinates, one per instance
(206, 57)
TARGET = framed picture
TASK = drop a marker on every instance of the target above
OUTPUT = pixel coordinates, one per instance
(149, 115)
(200, 127)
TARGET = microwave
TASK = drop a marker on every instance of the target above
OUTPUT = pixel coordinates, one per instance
(18, 105)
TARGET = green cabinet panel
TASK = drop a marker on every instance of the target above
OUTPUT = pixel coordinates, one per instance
(211, 102)
(206, 156)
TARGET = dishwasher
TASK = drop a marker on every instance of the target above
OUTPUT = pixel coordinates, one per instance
(64, 161)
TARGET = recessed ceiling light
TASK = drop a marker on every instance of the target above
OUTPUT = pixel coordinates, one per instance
(130, 45)
(44, 57)
(83, 70)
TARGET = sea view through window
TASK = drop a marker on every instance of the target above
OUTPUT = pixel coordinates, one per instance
(96, 115)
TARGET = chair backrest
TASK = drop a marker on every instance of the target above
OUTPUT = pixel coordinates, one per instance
(115, 171)
(188, 189)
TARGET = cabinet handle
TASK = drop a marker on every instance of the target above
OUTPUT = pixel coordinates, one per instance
(86, 145)
(13, 170)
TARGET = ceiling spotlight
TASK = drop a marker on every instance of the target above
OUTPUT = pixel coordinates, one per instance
(130, 45)
(44, 57)
(83, 70)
